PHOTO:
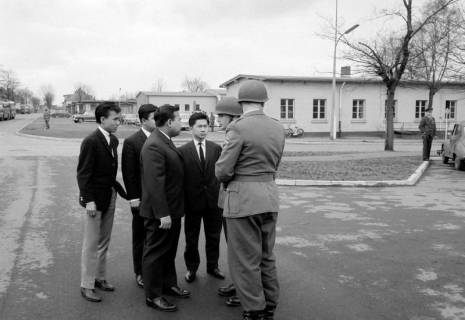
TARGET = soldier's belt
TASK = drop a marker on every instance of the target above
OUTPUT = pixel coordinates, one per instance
(261, 178)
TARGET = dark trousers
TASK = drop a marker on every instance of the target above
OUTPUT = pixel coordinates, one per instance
(212, 223)
(252, 263)
(427, 141)
(138, 238)
(158, 267)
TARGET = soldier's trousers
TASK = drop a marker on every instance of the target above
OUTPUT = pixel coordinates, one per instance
(252, 263)
(427, 141)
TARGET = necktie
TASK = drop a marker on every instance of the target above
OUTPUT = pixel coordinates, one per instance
(202, 157)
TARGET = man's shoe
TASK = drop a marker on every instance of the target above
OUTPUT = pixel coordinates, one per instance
(252, 315)
(190, 276)
(104, 285)
(268, 313)
(90, 295)
(161, 304)
(178, 292)
(233, 301)
(227, 291)
(139, 280)
(216, 273)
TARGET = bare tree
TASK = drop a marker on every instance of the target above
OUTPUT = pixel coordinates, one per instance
(9, 82)
(195, 84)
(159, 86)
(433, 49)
(388, 55)
(35, 102)
(83, 91)
(23, 95)
(48, 94)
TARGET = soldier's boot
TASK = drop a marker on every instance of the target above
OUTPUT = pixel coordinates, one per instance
(252, 315)
(268, 313)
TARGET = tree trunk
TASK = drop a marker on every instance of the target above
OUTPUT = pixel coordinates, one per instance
(389, 142)
(431, 92)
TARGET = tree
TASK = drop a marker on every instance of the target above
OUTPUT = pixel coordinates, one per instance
(159, 86)
(388, 55)
(35, 102)
(9, 82)
(23, 96)
(83, 91)
(195, 84)
(433, 48)
(49, 95)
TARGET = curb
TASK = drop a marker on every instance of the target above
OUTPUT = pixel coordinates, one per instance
(411, 181)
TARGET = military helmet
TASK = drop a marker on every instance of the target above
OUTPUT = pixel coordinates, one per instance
(252, 91)
(229, 106)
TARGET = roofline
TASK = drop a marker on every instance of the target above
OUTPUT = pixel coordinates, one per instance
(176, 94)
(283, 79)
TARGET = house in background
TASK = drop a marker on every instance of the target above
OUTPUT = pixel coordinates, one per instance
(360, 103)
(127, 106)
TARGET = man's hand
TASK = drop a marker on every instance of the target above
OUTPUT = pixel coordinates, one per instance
(165, 222)
(134, 203)
(91, 209)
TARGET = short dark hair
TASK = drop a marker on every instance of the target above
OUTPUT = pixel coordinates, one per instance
(165, 113)
(104, 109)
(197, 116)
(145, 110)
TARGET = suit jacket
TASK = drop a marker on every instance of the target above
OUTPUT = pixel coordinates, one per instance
(248, 164)
(162, 176)
(200, 185)
(130, 164)
(96, 170)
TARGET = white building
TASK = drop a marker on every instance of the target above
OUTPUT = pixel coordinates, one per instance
(360, 103)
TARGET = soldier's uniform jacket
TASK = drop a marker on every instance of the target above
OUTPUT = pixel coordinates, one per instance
(248, 165)
(427, 126)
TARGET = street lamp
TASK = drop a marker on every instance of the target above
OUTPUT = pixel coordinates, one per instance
(332, 134)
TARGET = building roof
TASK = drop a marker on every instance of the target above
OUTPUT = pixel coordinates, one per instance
(176, 94)
(325, 79)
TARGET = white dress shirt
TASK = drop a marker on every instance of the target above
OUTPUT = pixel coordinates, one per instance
(145, 131)
(106, 134)
(204, 147)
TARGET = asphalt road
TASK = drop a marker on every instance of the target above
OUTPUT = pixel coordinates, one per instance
(343, 253)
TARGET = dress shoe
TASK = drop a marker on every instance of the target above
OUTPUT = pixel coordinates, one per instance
(139, 280)
(233, 301)
(216, 273)
(252, 315)
(104, 285)
(161, 304)
(190, 276)
(268, 313)
(178, 292)
(227, 291)
(90, 295)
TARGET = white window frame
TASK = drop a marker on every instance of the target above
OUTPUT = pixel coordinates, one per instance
(452, 106)
(320, 105)
(420, 106)
(358, 108)
(289, 113)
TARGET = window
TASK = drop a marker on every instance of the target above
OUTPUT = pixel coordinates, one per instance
(450, 109)
(187, 107)
(393, 112)
(358, 109)
(420, 106)
(287, 108)
(319, 110)
(197, 107)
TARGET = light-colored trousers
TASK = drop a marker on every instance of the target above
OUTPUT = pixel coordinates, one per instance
(97, 234)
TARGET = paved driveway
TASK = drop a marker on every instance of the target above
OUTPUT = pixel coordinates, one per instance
(343, 253)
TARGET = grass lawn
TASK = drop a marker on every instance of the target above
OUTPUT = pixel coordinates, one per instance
(395, 168)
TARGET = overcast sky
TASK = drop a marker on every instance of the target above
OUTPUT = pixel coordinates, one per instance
(130, 44)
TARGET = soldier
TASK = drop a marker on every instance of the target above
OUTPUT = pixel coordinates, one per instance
(248, 166)
(47, 118)
(428, 131)
(228, 110)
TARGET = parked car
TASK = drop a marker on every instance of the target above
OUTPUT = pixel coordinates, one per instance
(7, 110)
(454, 148)
(131, 118)
(86, 116)
(24, 109)
(60, 114)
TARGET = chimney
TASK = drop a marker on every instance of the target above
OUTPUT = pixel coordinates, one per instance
(345, 72)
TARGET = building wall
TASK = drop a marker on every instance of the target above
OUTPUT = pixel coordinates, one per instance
(206, 104)
(374, 96)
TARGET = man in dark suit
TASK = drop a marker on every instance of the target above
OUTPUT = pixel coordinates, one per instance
(130, 165)
(201, 197)
(162, 207)
(96, 177)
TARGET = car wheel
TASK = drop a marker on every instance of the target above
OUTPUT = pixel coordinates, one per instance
(458, 164)
(445, 159)
(81, 120)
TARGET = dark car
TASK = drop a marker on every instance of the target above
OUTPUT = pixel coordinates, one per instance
(454, 147)
(86, 116)
(60, 114)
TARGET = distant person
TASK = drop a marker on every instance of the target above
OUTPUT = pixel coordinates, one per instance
(96, 177)
(47, 118)
(162, 206)
(201, 198)
(428, 131)
(130, 165)
(212, 121)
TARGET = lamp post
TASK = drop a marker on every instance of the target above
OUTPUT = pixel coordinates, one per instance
(332, 133)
